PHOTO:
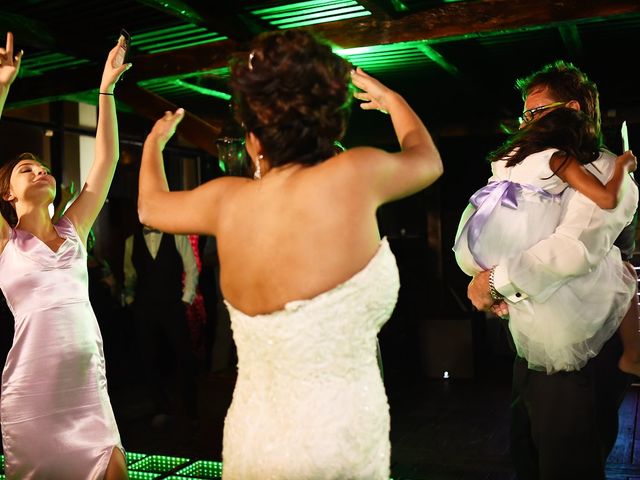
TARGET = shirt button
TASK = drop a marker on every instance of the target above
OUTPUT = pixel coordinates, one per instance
(518, 294)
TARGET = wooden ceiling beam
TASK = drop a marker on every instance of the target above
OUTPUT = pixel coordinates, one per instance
(461, 20)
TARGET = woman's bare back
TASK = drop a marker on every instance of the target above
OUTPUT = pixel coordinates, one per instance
(292, 235)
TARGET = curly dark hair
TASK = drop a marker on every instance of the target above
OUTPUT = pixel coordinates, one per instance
(571, 131)
(294, 94)
(6, 209)
(565, 82)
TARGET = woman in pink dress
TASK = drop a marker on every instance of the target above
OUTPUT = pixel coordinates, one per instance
(57, 420)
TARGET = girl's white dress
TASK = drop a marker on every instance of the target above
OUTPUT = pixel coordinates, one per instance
(520, 206)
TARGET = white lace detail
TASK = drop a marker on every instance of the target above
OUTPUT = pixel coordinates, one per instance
(309, 402)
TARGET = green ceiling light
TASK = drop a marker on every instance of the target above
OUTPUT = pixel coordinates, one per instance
(399, 6)
(287, 7)
(376, 58)
(174, 38)
(177, 86)
(203, 91)
(141, 37)
(41, 63)
(311, 12)
(438, 59)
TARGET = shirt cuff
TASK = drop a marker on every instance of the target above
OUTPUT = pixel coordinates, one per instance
(504, 287)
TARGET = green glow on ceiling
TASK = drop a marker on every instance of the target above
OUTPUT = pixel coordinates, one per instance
(318, 16)
(307, 11)
(438, 59)
(177, 86)
(204, 91)
(399, 6)
(325, 20)
(174, 38)
(311, 12)
(301, 5)
(139, 37)
(211, 39)
(383, 57)
(398, 56)
(41, 63)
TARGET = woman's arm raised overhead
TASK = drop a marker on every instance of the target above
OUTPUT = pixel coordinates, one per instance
(416, 166)
(87, 206)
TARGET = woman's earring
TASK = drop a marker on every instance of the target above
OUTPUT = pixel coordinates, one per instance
(257, 175)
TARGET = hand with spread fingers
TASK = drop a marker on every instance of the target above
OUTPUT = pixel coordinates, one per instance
(165, 127)
(374, 94)
(9, 63)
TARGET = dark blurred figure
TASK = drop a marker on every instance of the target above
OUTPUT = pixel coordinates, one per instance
(154, 263)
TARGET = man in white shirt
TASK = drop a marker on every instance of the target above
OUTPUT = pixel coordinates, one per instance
(564, 425)
(153, 279)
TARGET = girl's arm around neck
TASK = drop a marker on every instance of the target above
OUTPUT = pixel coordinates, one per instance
(572, 172)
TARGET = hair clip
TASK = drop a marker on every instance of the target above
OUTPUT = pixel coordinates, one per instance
(251, 55)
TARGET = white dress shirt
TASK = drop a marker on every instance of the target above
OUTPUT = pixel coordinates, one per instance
(583, 237)
(153, 239)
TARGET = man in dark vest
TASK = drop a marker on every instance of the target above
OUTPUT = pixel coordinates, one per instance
(154, 263)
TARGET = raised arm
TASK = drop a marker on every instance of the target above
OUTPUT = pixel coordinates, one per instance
(9, 68)
(184, 212)
(416, 166)
(87, 206)
(605, 196)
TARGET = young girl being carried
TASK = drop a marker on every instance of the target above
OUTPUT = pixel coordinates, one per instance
(565, 326)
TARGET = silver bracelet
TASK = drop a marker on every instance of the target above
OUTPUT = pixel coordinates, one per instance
(492, 286)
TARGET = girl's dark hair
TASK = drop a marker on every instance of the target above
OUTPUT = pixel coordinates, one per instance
(6, 209)
(570, 131)
(294, 94)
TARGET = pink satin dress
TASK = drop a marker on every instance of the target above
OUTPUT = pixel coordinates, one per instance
(57, 420)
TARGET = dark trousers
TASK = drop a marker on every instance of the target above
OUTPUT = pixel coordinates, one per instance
(564, 425)
(163, 334)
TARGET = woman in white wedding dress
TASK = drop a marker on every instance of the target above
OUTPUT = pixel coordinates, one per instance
(306, 278)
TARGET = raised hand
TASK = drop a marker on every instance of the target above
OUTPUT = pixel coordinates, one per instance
(9, 63)
(112, 74)
(374, 94)
(165, 127)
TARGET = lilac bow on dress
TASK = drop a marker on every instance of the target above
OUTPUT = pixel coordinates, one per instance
(485, 201)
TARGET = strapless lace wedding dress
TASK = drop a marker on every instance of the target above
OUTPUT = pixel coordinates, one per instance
(309, 402)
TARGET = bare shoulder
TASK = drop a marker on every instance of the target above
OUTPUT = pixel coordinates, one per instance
(221, 187)
(359, 160)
